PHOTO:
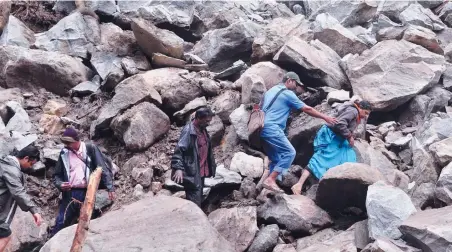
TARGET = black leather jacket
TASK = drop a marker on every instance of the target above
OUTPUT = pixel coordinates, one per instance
(185, 157)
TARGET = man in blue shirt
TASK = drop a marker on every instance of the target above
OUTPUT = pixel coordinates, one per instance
(276, 145)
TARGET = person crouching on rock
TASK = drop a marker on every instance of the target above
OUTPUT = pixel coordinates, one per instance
(76, 162)
(13, 192)
(333, 144)
(277, 104)
(193, 158)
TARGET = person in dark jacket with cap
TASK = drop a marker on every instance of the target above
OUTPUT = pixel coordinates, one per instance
(75, 164)
(13, 192)
(275, 143)
(333, 143)
(193, 159)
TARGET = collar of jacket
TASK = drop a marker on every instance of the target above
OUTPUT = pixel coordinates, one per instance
(192, 128)
(11, 161)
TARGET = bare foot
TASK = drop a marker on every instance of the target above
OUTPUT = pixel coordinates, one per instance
(296, 189)
(271, 185)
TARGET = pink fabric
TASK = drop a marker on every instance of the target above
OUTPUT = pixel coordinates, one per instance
(77, 168)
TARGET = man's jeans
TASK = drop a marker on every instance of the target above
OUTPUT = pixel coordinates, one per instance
(69, 210)
(280, 152)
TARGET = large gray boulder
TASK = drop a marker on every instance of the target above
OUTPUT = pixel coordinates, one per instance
(128, 93)
(296, 213)
(442, 151)
(387, 207)
(75, 35)
(26, 234)
(393, 9)
(238, 225)
(19, 122)
(418, 111)
(239, 119)
(346, 186)
(424, 37)
(382, 73)
(270, 73)
(247, 165)
(32, 69)
(429, 230)
(443, 188)
(167, 216)
(17, 33)
(343, 241)
(222, 47)
(141, 126)
(415, 14)
(266, 239)
(253, 89)
(348, 13)
(223, 177)
(314, 61)
(225, 104)
(329, 31)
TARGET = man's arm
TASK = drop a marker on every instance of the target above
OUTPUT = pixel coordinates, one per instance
(314, 113)
(17, 190)
(177, 160)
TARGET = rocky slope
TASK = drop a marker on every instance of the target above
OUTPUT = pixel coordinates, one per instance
(130, 80)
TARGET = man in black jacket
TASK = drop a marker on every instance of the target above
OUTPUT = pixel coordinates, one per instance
(75, 164)
(193, 159)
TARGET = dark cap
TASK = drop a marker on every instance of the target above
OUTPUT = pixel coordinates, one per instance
(70, 135)
(204, 112)
(293, 76)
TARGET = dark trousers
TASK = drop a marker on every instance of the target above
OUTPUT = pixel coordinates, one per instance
(195, 196)
(69, 210)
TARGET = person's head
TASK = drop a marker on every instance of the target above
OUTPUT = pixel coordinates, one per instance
(203, 117)
(71, 139)
(292, 82)
(28, 156)
(364, 108)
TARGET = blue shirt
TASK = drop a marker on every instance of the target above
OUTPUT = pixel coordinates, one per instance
(276, 117)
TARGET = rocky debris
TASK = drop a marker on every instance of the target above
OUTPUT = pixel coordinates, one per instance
(393, 9)
(362, 238)
(153, 213)
(444, 14)
(17, 33)
(348, 13)
(74, 35)
(247, 165)
(85, 88)
(266, 239)
(443, 188)
(128, 93)
(422, 194)
(418, 110)
(222, 47)
(190, 108)
(234, 70)
(428, 229)
(284, 248)
(338, 96)
(253, 89)
(223, 177)
(19, 122)
(26, 234)
(138, 192)
(346, 186)
(225, 104)
(11, 94)
(55, 107)
(273, 36)
(32, 69)
(210, 87)
(423, 37)
(143, 176)
(376, 74)
(314, 61)
(329, 31)
(270, 73)
(239, 120)
(237, 225)
(51, 124)
(387, 207)
(440, 96)
(343, 241)
(141, 126)
(155, 40)
(442, 151)
(415, 14)
(382, 245)
(296, 213)
(216, 131)
(318, 237)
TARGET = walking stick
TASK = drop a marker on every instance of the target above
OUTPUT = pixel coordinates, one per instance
(86, 211)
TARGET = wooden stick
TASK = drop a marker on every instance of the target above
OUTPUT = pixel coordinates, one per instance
(86, 211)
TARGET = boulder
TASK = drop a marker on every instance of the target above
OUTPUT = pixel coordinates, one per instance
(429, 230)
(443, 188)
(373, 79)
(284, 248)
(51, 124)
(236, 69)
(418, 110)
(167, 216)
(128, 93)
(387, 207)
(137, 161)
(20, 121)
(296, 213)
(143, 176)
(141, 126)
(266, 239)
(17, 33)
(74, 35)
(273, 36)
(26, 235)
(103, 7)
(270, 73)
(222, 47)
(11, 94)
(442, 151)
(223, 177)
(390, 33)
(155, 40)
(237, 225)
(138, 192)
(239, 120)
(440, 96)
(247, 165)
(338, 96)
(424, 37)
(393, 9)
(32, 69)
(85, 88)
(346, 186)
(253, 89)
(343, 241)
(362, 238)
(56, 107)
(190, 107)
(382, 245)
(415, 14)
(318, 237)
(210, 87)
(367, 35)
(314, 62)
(348, 13)
(216, 131)
(445, 14)
(433, 131)
(225, 104)
(329, 31)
